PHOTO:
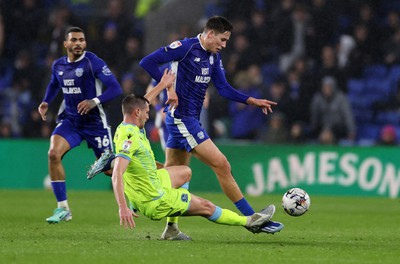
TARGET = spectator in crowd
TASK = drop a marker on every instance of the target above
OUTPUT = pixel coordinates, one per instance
(391, 25)
(329, 67)
(391, 49)
(387, 136)
(276, 131)
(331, 112)
(293, 37)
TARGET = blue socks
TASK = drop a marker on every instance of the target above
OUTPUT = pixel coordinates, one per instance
(59, 190)
(244, 207)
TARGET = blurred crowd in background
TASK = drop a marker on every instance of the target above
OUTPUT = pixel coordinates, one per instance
(333, 66)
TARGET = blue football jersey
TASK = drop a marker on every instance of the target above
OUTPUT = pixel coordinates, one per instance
(194, 67)
(80, 80)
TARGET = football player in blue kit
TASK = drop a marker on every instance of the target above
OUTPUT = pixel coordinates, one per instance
(81, 116)
(196, 61)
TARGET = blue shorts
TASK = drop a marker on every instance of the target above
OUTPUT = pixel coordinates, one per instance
(184, 133)
(97, 137)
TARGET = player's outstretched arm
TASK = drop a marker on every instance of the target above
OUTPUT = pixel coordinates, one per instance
(125, 214)
(264, 104)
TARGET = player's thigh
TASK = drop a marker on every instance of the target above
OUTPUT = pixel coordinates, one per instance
(175, 202)
(58, 146)
(99, 139)
(175, 157)
(64, 137)
(209, 153)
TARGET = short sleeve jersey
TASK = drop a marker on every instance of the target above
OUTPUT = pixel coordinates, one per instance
(132, 144)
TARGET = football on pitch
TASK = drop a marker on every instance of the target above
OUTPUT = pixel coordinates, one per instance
(296, 202)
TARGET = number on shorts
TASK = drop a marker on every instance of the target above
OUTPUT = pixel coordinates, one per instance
(102, 143)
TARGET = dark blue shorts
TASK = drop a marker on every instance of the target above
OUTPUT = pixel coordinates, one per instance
(97, 137)
(184, 133)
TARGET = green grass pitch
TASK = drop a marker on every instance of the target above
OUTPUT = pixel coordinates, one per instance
(335, 230)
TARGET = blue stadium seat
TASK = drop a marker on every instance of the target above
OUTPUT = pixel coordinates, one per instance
(375, 71)
(368, 131)
(390, 117)
(355, 86)
(378, 88)
(270, 72)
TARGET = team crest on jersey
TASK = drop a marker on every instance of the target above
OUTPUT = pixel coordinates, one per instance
(211, 60)
(79, 72)
(60, 73)
(184, 197)
(126, 145)
(200, 135)
(106, 70)
(175, 44)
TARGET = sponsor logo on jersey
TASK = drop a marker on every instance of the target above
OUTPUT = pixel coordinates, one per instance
(106, 71)
(79, 72)
(205, 71)
(200, 135)
(71, 90)
(197, 59)
(69, 82)
(175, 44)
(211, 60)
(202, 79)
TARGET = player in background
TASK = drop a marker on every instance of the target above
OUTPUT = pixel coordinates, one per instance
(196, 61)
(81, 115)
(158, 193)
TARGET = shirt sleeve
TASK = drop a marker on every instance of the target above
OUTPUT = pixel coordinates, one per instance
(176, 51)
(224, 88)
(52, 87)
(104, 74)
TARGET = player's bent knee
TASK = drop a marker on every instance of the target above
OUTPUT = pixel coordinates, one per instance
(187, 171)
(54, 155)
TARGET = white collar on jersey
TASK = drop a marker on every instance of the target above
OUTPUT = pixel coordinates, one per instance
(199, 36)
(80, 58)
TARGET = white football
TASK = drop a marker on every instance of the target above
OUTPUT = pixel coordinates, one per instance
(296, 202)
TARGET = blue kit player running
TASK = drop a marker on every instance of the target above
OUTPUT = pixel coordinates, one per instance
(197, 61)
(81, 116)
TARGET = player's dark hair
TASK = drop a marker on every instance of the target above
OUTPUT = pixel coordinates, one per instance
(72, 29)
(219, 24)
(132, 101)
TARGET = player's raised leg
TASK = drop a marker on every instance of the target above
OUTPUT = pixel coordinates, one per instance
(202, 207)
(58, 147)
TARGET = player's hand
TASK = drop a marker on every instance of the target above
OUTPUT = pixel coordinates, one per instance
(85, 106)
(172, 99)
(126, 217)
(42, 109)
(264, 104)
(168, 78)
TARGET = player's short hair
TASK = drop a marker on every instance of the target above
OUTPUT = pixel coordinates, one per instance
(72, 29)
(219, 24)
(132, 101)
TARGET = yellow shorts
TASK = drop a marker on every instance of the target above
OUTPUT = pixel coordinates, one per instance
(174, 202)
